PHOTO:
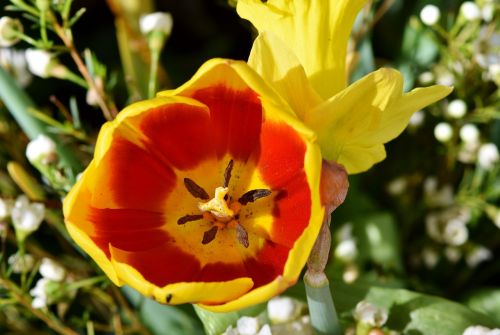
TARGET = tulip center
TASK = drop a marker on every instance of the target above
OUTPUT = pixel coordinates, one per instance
(222, 211)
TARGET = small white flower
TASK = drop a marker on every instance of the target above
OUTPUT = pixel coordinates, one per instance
(350, 274)
(480, 330)
(21, 264)
(417, 119)
(478, 255)
(247, 325)
(437, 197)
(446, 79)
(469, 133)
(42, 149)
(430, 257)
(443, 132)
(159, 21)
(488, 12)
(14, 62)
(397, 186)
(426, 78)
(40, 62)
(40, 288)
(455, 232)
(230, 331)
(369, 314)
(488, 156)
(8, 29)
(430, 15)
(52, 270)
(452, 254)
(470, 11)
(494, 72)
(345, 231)
(27, 216)
(265, 330)
(281, 309)
(346, 250)
(39, 302)
(457, 109)
(432, 226)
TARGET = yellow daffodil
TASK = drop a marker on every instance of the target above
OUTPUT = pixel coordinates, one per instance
(301, 49)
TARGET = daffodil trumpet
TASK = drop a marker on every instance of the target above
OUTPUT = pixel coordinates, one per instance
(217, 193)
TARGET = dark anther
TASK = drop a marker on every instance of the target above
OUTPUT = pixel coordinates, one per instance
(242, 235)
(169, 298)
(209, 235)
(196, 190)
(253, 195)
(263, 1)
(188, 218)
(227, 173)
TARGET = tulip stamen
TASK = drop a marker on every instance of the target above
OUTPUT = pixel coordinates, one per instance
(253, 195)
(227, 174)
(196, 190)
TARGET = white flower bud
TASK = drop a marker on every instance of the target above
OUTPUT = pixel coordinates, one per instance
(446, 79)
(455, 232)
(21, 264)
(397, 186)
(430, 257)
(416, 120)
(265, 330)
(443, 132)
(426, 78)
(9, 28)
(488, 12)
(346, 250)
(430, 15)
(51, 270)
(469, 133)
(159, 21)
(452, 254)
(488, 156)
(345, 231)
(281, 309)
(470, 11)
(230, 331)
(478, 255)
(42, 149)
(369, 314)
(480, 330)
(27, 216)
(494, 72)
(40, 62)
(350, 274)
(14, 62)
(247, 325)
(457, 109)
(39, 302)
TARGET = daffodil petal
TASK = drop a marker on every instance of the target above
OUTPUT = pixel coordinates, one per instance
(271, 58)
(353, 125)
(316, 31)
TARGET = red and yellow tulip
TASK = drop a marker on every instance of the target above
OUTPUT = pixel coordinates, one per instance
(210, 193)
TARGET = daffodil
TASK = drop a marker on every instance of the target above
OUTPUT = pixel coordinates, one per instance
(301, 50)
(210, 193)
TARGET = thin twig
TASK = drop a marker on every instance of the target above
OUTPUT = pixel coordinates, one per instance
(50, 322)
(109, 109)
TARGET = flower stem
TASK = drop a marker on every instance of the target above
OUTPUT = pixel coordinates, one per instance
(153, 73)
(321, 309)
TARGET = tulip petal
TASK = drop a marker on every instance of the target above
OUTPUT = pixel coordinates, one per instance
(316, 31)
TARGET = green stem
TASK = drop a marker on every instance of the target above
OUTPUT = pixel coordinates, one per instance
(153, 73)
(19, 104)
(43, 28)
(324, 317)
(74, 78)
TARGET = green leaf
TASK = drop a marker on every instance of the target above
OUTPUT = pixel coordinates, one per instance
(217, 323)
(162, 319)
(486, 301)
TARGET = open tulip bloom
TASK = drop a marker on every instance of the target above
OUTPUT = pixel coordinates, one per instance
(210, 193)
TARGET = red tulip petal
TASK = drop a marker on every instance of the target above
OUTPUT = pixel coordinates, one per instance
(178, 133)
(236, 117)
